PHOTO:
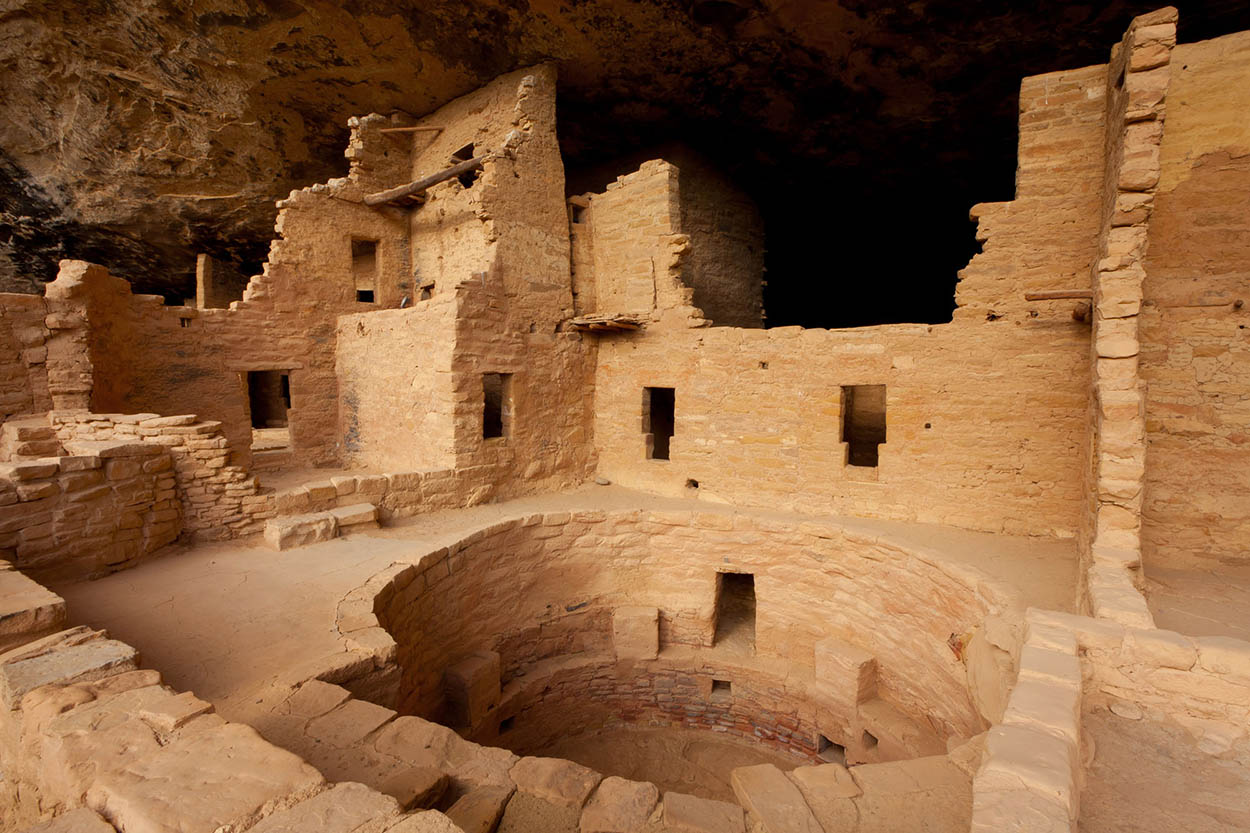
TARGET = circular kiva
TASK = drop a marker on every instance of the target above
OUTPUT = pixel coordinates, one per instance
(802, 637)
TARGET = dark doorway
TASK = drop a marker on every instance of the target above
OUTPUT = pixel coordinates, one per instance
(863, 423)
(658, 420)
(496, 405)
(269, 399)
(735, 612)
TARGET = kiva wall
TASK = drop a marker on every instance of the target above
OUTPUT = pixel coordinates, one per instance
(550, 572)
(1195, 327)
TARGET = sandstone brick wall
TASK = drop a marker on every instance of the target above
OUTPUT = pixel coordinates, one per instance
(630, 237)
(396, 409)
(100, 509)
(23, 355)
(1195, 324)
(759, 413)
(556, 571)
(985, 423)
(215, 499)
(511, 220)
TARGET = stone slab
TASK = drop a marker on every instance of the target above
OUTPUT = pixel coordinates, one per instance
(556, 780)
(479, 810)
(349, 724)
(82, 820)
(773, 800)
(203, 781)
(341, 809)
(300, 530)
(691, 814)
(71, 664)
(355, 515)
(619, 806)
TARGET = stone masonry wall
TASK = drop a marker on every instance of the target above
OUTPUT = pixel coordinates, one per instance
(23, 355)
(510, 220)
(394, 369)
(630, 236)
(758, 413)
(1137, 87)
(100, 509)
(216, 500)
(1195, 322)
(810, 583)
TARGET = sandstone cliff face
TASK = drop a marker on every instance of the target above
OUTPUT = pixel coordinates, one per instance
(137, 132)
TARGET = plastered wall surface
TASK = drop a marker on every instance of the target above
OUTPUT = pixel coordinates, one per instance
(1195, 337)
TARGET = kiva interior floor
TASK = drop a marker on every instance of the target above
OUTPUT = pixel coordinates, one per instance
(681, 760)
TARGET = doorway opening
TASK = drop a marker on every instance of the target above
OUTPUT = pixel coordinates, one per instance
(658, 406)
(269, 400)
(863, 423)
(735, 612)
(496, 405)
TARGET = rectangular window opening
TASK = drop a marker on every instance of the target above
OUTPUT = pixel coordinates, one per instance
(735, 612)
(658, 422)
(863, 423)
(830, 752)
(496, 405)
(365, 269)
(269, 400)
(721, 691)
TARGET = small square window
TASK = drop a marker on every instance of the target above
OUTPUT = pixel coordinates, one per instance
(364, 296)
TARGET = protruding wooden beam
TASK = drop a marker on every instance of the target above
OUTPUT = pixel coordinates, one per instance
(1060, 295)
(406, 129)
(414, 188)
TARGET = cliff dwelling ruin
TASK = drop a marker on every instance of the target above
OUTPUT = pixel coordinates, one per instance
(499, 498)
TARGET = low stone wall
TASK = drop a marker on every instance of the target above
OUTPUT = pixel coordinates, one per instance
(1032, 774)
(217, 500)
(99, 510)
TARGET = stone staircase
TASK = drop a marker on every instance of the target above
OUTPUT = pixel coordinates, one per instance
(28, 438)
(325, 509)
(289, 531)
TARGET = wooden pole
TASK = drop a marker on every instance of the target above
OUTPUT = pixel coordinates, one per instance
(1060, 295)
(414, 188)
(406, 129)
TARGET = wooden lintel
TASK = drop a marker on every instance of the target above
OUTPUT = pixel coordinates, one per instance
(1060, 295)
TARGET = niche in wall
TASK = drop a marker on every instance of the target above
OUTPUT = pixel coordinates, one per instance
(863, 423)
(658, 406)
(365, 269)
(496, 405)
(830, 752)
(735, 612)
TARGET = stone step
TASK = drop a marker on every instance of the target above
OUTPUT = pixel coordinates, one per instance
(28, 610)
(287, 532)
(34, 449)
